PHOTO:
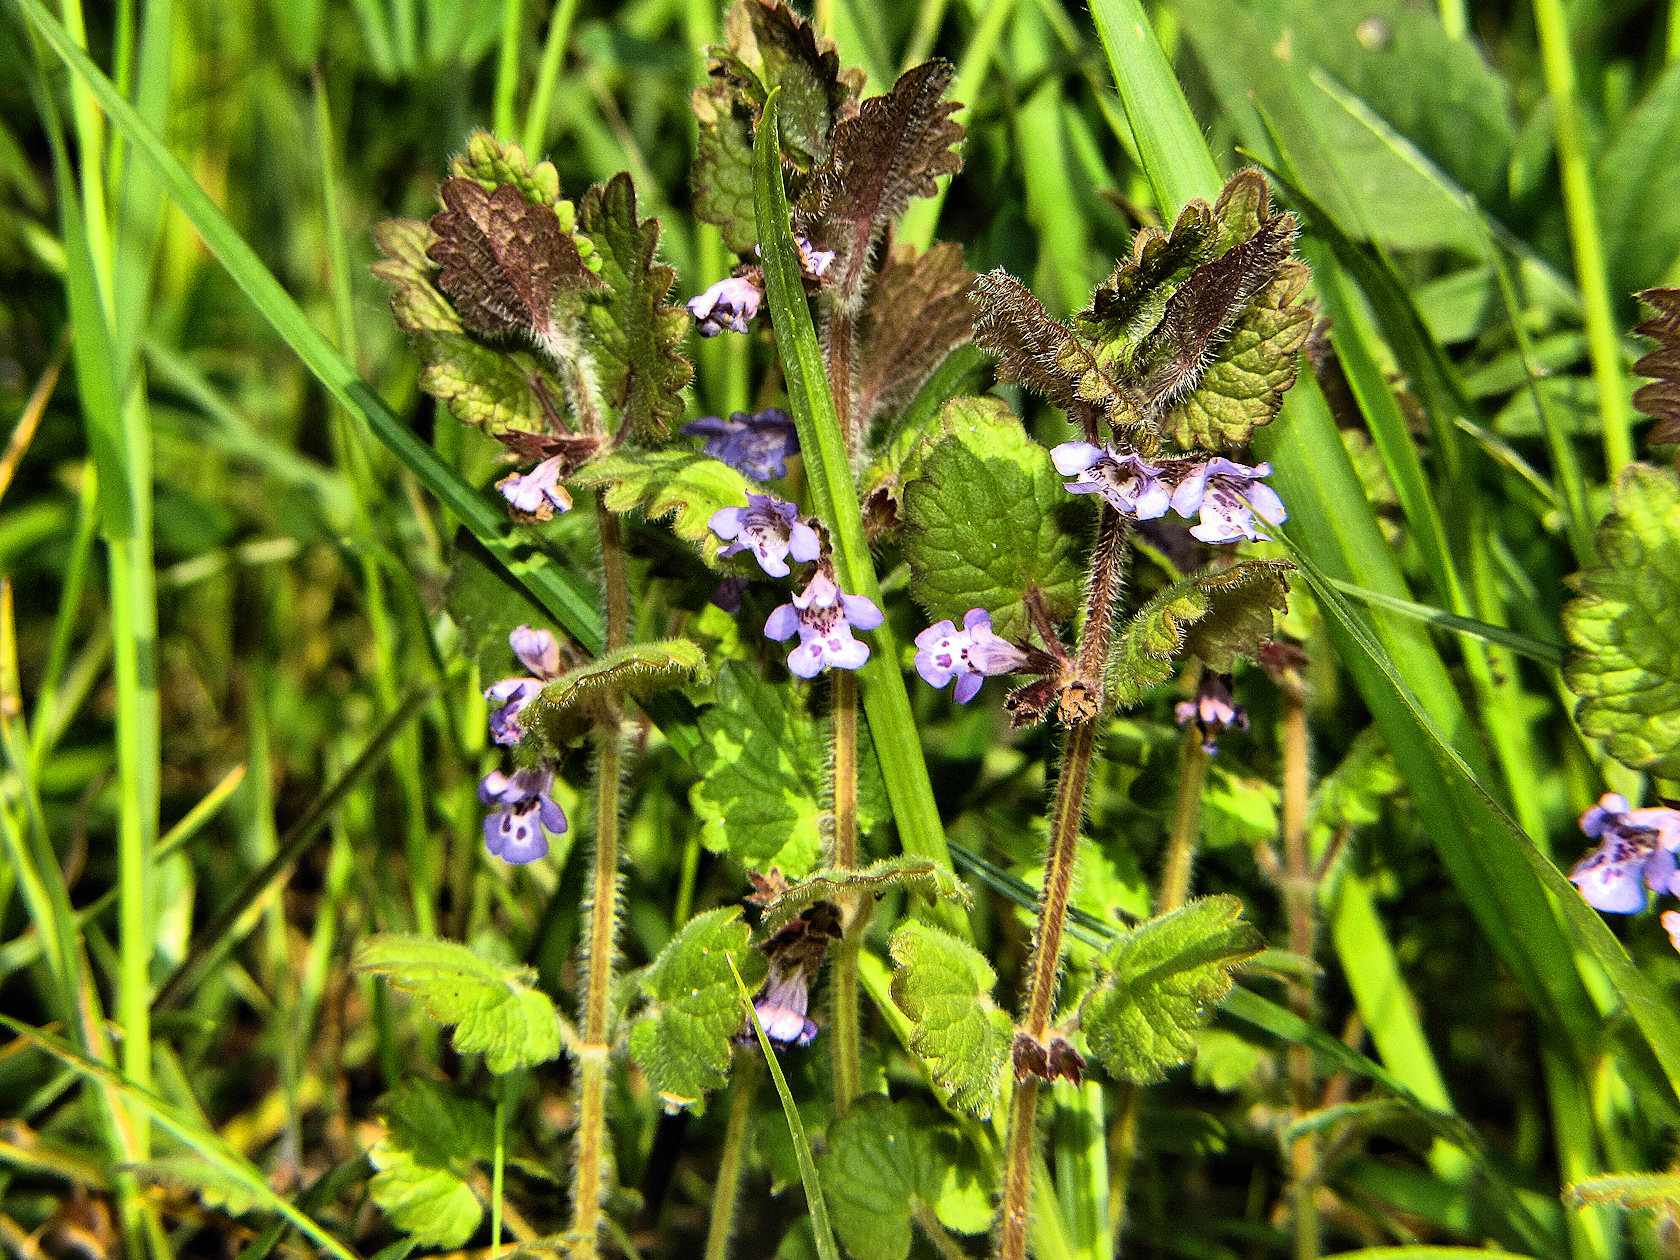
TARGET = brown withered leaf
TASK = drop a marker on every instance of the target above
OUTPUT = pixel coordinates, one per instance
(1037, 351)
(576, 448)
(503, 260)
(893, 150)
(918, 313)
(1661, 398)
(1206, 306)
(1032, 1058)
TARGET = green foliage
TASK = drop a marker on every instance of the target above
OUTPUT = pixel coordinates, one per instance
(982, 466)
(1161, 981)
(490, 163)
(569, 706)
(1625, 626)
(763, 767)
(1217, 615)
(684, 1039)
(487, 605)
(494, 1009)
(682, 486)
(425, 1160)
(632, 335)
(886, 1163)
(722, 176)
(917, 875)
(945, 986)
(219, 1189)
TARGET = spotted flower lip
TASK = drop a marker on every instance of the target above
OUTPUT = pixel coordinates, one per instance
(768, 527)
(517, 830)
(536, 495)
(539, 652)
(1226, 497)
(1129, 483)
(757, 444)
(1635, 852)
(970, 655)
(1213, 711)
(824, 617)
(731, 303)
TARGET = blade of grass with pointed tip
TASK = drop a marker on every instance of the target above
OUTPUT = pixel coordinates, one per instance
(206, 1144)
(821, 1230)
(891, 725)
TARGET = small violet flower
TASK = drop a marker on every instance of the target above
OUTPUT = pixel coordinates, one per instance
(781, 1007)
(813, 262)
(1131, 485)
(1217, 490)
(538, 494)
(757, 444)
(1635, 851)
(768, 527)
(731, 303)
(538, 652)
(970, 655)
(1213, 711)
(824, 617)
(517, 830)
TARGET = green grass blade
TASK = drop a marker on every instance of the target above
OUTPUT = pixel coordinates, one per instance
(885, 699)
(566, 596)
(1546, 651)
(207, 1145)
(821, 1230)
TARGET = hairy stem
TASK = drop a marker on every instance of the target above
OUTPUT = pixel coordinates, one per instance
(1108, 560)
(840, 376)
(600, 943)
(1186, 825)
(1298, 902)
(735, 1137)
(847, 1045)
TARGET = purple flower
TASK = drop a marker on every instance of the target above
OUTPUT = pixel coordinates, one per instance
(538, 494)
(1635, 851)
(781, 1005)
(518, 830)
(824, 617)
(731, 303)
(813, 262)
(1213, 711)
(727, 594)
(757, 444)
(969, 655)
(1129, 483)
(1227, 496)
(538, 652)
(1670, 920)
(768, 527)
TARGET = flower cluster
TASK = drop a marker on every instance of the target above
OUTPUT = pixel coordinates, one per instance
(1635, 853)
(1213, 711)
(525, 812)
(732, 303)
(970, 655)
(822, 615)
(757, 445)
(1223, 496)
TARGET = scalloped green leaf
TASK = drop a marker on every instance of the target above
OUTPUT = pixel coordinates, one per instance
(1624, 628)
(494, 1008)
(944, 985)
(983, 466)
(722, 174)
(886, 1163)
(763, 762)
(683, 1040)
(1218, 615)
(918, 875)
(680, 485)
(566, 708)
(424, 1162)
(1161, 982)
(633, 337)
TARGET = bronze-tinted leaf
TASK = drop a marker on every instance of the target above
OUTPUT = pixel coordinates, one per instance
(918, 313)
(503, 260)
(892, 151)
(1035, 350)
(1661, 398)
(816, 93)
(1130, 301)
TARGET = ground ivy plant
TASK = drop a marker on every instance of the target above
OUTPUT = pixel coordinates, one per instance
(739, 598)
